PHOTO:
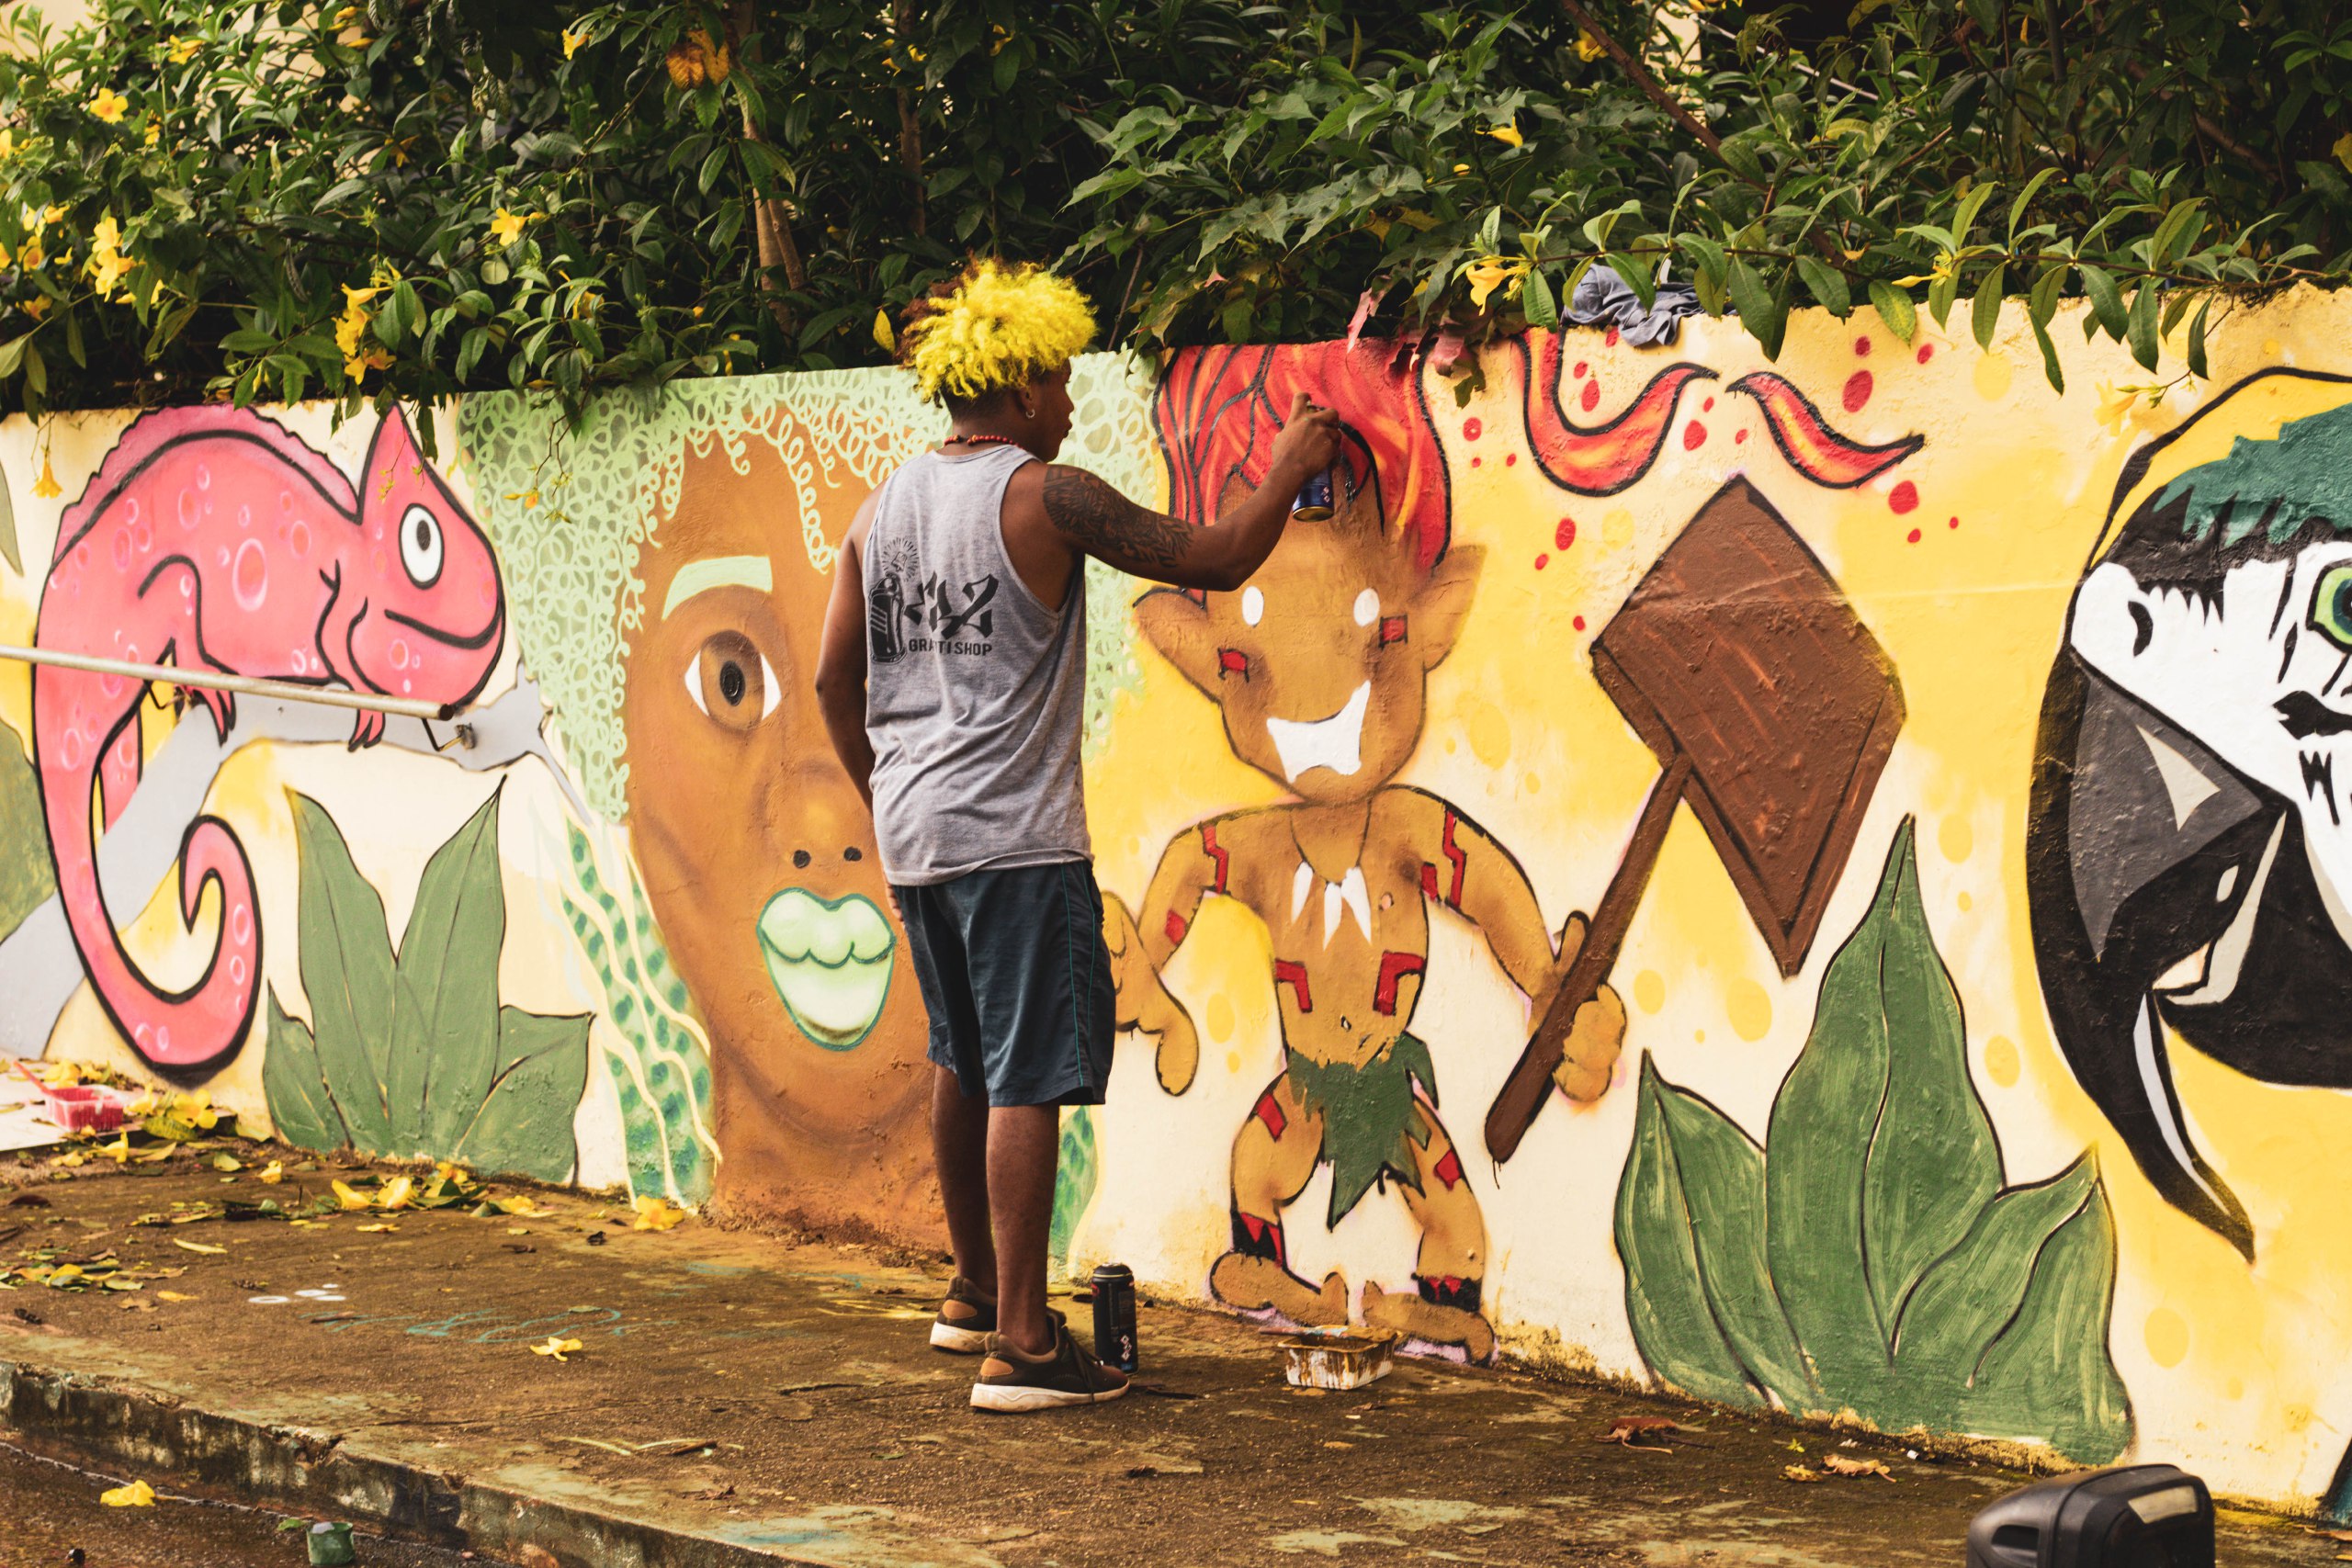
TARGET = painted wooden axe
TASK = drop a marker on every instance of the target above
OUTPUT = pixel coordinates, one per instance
(1772, 710)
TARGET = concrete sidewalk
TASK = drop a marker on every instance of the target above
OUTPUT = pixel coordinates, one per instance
(743, 1399)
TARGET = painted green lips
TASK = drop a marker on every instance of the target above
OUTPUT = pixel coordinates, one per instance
(830, 961)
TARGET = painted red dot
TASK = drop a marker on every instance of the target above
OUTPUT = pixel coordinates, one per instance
(1862, 346)
(1542, 561)
(1566, 534)
(1591, 397)
(1737, 436)
(1902, 497)
(1510, 460)
(1579, 623)
(1580, 374)
(1694, 435)
(1707, 407)
(1473, 428)
(1608, 339)
(1858, 390)
(1954, 523)
(1474, 462)
(1915, 536)
(1926, 352)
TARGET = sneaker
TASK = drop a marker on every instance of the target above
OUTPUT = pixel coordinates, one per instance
(965, 1321)
(1012, 1380)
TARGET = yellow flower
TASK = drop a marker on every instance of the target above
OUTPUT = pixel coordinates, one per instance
(1461, 168)
(183, 50)
(49, 214)
(656, 1215)
(138, 1494)
(1490, 273)
(1945, 265)
(1508, 135)
(571, 41)
(508, 227)
(557, 1346)
(347, 1198)
(154, 133)
(1587, 47)
(47, 485)
(32, 255)
(120, 1148)
(273, 1173)
(886, 340)
(1003, 38)
(109, 105)
(107, 264)
(396, 1193)
(7, 143)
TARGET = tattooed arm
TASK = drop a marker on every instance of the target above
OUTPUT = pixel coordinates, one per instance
(1050, 506)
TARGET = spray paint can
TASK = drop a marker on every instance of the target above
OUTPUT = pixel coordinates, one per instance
(1314, 503)
(1114, 1316)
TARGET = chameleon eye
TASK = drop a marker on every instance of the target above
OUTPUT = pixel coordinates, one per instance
(421, 546)
(2332, 605)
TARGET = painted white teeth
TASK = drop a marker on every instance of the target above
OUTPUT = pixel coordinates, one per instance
(1336, 742)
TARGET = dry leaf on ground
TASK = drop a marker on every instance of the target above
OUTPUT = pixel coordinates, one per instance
(138, 1494)
(557, 1346)
(197, 1246)
(1799, 1472)
(348, 1198)
(378, 1228)
(1838, 1464)
(1633, 1430)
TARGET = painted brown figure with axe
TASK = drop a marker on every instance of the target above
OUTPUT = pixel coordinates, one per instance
(1319, 668)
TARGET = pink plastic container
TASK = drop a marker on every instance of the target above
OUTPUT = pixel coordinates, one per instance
(84, 1107)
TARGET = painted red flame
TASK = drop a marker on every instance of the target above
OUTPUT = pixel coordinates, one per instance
(1607, 457)
(1808, 442)
(1218, 410)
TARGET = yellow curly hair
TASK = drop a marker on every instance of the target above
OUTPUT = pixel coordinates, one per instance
(992, 326)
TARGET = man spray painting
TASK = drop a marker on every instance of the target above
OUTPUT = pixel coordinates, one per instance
(1319, 666)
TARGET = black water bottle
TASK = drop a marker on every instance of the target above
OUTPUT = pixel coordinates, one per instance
(1114, 1316)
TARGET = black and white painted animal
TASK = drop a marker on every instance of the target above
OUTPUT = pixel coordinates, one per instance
(2189, 848)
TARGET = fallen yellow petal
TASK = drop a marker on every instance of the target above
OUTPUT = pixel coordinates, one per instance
(347, 1198)
(656, 1215)
(197, 1246)
(138, 1494)
(172, 1296)
(557, 1346)
(379, 1227)
(521, 1204)
(396, 1193)
(272, 1174)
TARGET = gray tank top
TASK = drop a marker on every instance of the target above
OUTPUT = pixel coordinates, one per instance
(975, 689)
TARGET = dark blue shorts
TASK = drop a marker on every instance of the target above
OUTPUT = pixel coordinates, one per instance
(1017, 981)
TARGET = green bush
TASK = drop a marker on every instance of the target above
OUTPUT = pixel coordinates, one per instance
(1868, 1257)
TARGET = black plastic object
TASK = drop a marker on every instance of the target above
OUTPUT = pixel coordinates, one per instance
(2134, 1515)
(1114, 1318)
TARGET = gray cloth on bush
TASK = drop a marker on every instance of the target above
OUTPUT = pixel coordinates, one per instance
(1603, 300)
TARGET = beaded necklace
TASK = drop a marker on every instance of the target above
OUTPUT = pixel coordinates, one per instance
(981, 441)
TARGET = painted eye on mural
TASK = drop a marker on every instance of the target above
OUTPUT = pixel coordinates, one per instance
(731, 681)
(1253, 606)
(2332, 605)
(421, 546)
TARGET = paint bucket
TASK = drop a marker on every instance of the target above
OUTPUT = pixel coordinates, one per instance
(1338, 1359)
(84, 1108)
(331, 1545)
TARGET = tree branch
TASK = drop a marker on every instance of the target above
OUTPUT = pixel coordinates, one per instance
(1639, 76)
(902, 21)
(770, 219)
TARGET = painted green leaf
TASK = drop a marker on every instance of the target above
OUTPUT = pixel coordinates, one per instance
(1971, 1294)
(2050, 1375)
(445, 1028)
(26, 878)
(1657, 1238)
(1717, 1192)
(524, 1125)
(1882, 1153)
(1075, 1176)
(346, 965)
(294, 1087)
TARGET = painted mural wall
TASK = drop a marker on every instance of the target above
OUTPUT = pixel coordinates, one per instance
(1822, 883)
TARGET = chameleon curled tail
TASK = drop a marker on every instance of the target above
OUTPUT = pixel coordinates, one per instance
(186, 1031)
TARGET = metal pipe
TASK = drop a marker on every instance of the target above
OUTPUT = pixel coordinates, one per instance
(250, 685)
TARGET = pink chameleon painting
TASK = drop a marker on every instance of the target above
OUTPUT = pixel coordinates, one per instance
(213, 539)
